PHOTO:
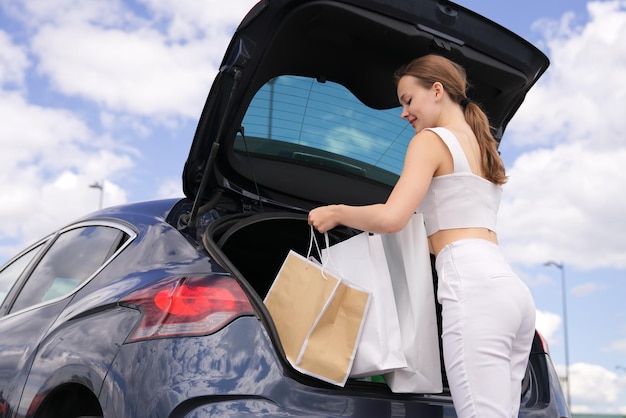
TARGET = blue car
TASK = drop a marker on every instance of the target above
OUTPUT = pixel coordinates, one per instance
(155, 309)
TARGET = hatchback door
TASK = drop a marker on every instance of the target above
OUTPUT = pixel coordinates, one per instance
(356, 45)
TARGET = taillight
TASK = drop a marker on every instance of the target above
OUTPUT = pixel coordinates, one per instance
(188, 306)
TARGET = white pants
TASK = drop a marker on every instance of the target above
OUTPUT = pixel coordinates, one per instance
(488, 326)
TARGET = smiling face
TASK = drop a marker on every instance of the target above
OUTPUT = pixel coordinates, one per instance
(421, 106)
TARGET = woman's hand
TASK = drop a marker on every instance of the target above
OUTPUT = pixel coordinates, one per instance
(324, 218)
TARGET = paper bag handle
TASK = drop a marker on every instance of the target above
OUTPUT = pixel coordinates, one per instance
(326, 261)
(313, 241)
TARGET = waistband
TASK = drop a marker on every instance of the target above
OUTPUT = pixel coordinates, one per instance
(473, 244)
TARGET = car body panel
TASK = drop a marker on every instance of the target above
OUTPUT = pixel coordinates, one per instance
(80, 351)
(21, 334)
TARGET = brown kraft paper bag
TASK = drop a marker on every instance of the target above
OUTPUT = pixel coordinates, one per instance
(319, 318)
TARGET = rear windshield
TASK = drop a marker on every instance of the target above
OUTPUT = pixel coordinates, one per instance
(323, 124)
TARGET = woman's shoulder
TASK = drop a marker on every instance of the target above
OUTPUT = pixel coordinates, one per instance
(438, 137)
(428, 144)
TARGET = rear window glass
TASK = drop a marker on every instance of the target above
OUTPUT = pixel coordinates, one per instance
(319, 123)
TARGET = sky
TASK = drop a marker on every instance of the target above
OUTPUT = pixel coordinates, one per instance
(109, 92)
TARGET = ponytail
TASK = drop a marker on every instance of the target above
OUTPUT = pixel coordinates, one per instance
(492, 164)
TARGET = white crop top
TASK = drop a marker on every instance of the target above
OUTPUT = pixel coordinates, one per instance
(461, 199)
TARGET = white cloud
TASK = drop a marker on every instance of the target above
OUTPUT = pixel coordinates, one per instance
(170, 188)
(13, 62)
(567, 202)
(32, 133)
(36, 13)
(189, 19)
(594, 388)
(585, 289)
(580, 97)
(619, 345)
(160, 63)
(556, 206)
(548, 324)
(137, 72)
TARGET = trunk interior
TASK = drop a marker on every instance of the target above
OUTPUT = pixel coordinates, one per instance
(257, 244)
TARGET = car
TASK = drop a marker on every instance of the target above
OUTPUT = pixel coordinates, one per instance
(155, 309)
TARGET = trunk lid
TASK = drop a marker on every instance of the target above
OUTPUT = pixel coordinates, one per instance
(303, 110)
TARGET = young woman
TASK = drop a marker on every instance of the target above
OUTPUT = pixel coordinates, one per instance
(453, 174)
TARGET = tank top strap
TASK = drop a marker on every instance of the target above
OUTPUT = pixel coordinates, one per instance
(461, 165)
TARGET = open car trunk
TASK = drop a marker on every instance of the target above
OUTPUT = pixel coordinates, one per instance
(256, 245)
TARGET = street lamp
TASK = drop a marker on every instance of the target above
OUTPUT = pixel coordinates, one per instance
(99, 185)
(561, 267)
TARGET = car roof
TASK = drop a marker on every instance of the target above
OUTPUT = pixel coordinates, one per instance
(358, 44)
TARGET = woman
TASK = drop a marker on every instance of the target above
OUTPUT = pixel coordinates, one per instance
(453, 174)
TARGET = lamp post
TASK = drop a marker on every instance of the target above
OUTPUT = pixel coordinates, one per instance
(99, 185)
(561, 266)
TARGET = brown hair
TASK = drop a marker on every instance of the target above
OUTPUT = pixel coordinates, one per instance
(429, 69)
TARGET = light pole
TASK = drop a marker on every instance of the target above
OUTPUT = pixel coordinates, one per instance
(561, 266)
(99, 185)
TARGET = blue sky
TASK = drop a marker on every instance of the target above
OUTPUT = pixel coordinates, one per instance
(110, 92)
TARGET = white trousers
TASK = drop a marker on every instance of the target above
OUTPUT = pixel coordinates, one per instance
(488, 326)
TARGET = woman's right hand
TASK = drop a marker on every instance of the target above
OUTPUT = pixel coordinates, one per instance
(323, 218)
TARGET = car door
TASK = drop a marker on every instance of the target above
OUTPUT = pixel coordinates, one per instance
(44, 278)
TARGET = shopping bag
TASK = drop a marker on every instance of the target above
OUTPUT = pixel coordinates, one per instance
(319, 318)
(361, 260)
(408, 258)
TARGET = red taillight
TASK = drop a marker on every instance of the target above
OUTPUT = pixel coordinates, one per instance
(188, 306)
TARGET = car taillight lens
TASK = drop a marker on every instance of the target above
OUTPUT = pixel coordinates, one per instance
(188, 306)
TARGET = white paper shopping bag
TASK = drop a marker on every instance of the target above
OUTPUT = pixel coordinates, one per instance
(361, 260)
(408, 258)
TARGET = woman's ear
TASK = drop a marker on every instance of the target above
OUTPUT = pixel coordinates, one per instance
(438, 90)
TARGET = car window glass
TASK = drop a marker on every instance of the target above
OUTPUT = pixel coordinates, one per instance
(73, 257)
(12, 272)
(311, 122)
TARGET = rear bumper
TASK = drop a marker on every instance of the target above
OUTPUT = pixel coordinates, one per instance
(235, 372)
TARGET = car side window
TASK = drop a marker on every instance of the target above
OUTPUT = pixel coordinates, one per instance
(13, 271)
(74, 256)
